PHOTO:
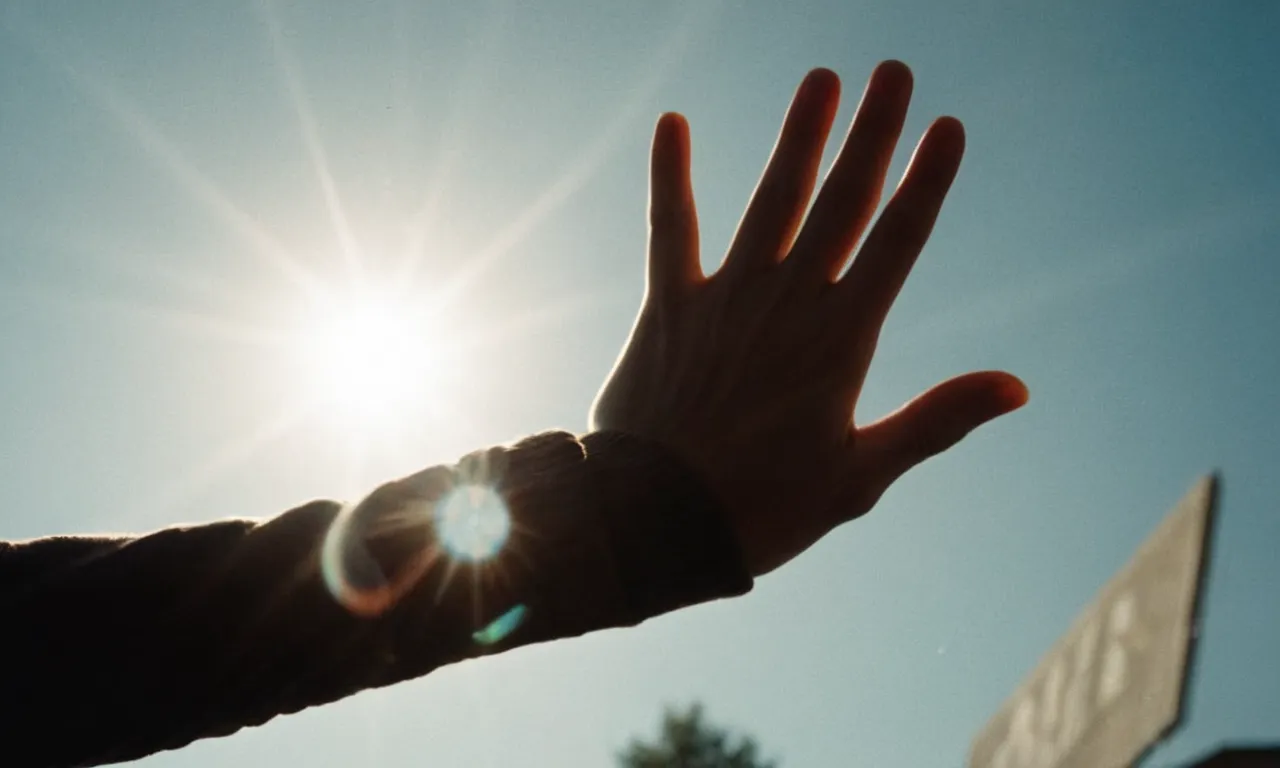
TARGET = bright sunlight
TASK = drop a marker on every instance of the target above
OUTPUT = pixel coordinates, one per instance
(385, 349)
(371, 359)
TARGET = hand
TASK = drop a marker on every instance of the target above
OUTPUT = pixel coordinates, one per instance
(752, 374)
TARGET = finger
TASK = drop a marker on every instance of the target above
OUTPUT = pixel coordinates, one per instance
(933, 422)
(673, 220)
(886, 258)
(851, 191)
(779, 200)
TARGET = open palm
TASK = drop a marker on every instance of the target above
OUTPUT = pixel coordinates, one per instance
(752, 374)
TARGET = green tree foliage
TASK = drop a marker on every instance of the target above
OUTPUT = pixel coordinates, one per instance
(687, 740)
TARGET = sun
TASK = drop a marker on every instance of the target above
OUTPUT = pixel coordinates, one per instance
(371, 358)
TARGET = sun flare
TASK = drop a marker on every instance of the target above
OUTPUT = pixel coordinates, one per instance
(371, 359)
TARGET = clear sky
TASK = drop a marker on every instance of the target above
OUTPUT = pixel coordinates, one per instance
(177, 179)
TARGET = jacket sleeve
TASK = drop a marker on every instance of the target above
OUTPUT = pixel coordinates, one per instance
(118, 647)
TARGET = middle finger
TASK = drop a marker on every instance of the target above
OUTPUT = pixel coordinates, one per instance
(852, 188)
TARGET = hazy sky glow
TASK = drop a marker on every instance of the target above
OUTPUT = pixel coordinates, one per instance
(184, 187)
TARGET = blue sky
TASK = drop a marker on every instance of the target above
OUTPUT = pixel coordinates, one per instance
(1112, 239)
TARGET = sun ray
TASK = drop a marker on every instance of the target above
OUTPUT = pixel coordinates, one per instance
(163, 151)
(291, 74)
(196, 183)
(158, 271)
(516, 325)
(177, 278)
(190, 322)
(451, 146)
(588, 164)
(92, 253)
(477, 598)
(228, 457)
(171, 160)
(450, 568)
(152, 316)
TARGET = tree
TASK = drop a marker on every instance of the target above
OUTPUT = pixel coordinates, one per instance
(687, 740)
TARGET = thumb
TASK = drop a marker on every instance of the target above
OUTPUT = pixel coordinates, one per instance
(934, 422)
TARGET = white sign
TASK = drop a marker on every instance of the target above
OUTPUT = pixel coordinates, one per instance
(1113, 684)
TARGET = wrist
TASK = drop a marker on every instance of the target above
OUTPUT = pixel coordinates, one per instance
(672, 541)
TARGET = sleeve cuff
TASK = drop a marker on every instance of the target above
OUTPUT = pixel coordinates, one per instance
(671, 542)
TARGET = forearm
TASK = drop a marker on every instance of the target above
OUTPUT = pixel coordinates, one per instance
(118, 648)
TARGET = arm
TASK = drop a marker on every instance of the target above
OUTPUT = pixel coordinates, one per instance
(129, 646)
(724, 446)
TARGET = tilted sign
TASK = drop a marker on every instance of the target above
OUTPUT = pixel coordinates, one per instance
(1112, 686)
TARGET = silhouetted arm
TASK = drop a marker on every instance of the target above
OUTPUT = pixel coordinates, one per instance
(748, 376)
(116, 648)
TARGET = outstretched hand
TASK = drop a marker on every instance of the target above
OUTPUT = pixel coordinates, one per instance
(751, 374)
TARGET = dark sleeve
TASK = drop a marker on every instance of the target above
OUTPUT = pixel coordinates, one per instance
(115, 648)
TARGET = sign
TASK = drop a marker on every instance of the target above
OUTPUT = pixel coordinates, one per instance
(1113, 684)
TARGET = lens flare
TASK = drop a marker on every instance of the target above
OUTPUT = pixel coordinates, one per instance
(472, 522)
(353, 575)
(502, 626)
(397, 512)
(429, 511)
